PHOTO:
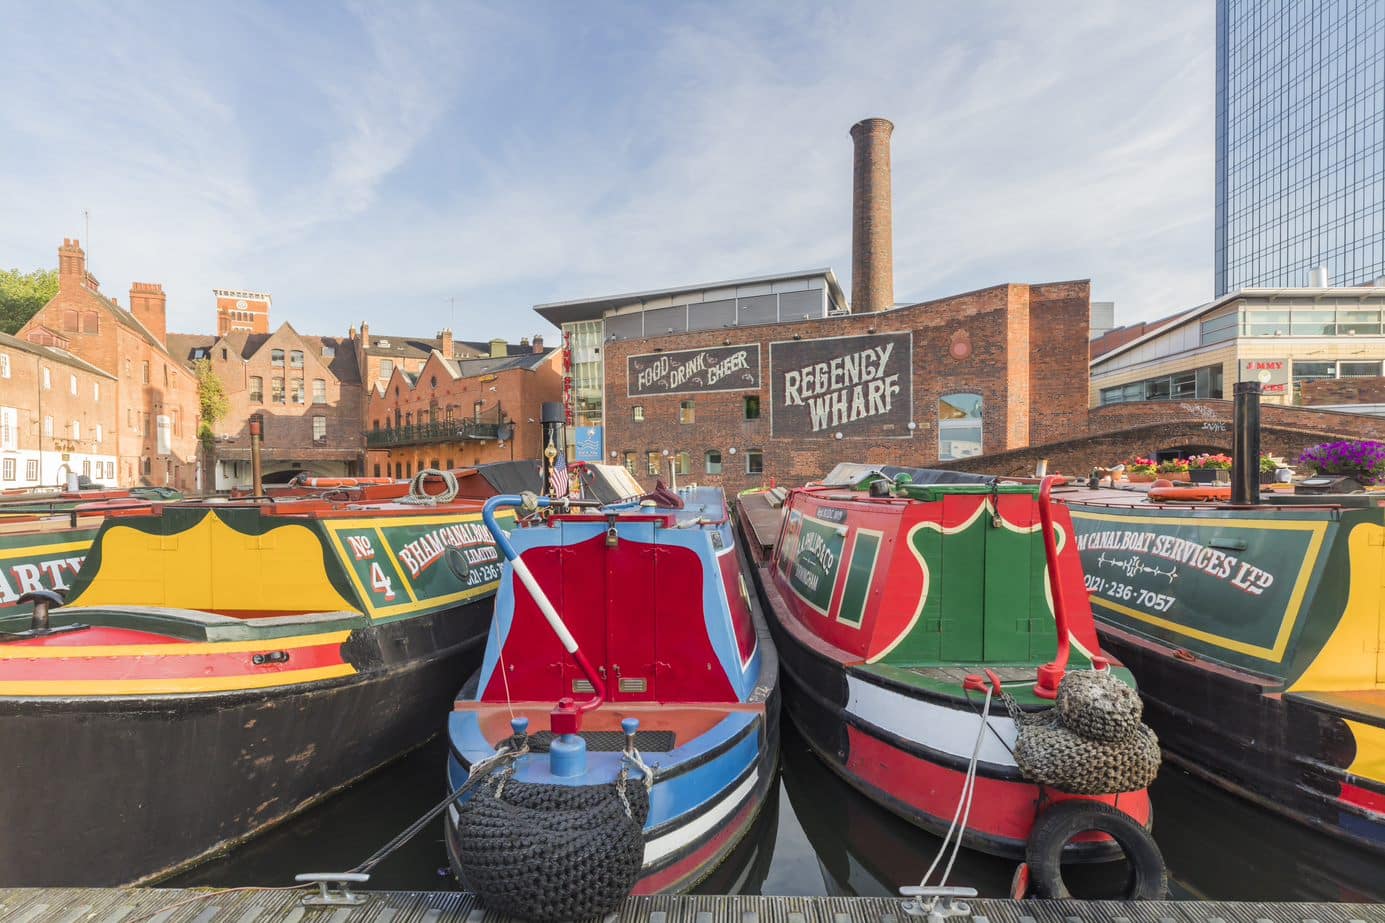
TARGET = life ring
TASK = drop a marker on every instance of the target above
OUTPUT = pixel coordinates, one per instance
(1197, 493)
(303, 481)
(1043, 854)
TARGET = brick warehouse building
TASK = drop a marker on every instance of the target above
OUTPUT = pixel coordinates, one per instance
(154, 395)
(741, 382)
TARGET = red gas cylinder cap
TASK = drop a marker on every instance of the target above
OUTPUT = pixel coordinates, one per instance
(565, 719)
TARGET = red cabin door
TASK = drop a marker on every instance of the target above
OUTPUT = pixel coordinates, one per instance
(630, 600)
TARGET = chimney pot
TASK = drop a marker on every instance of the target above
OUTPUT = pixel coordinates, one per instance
(872, 244)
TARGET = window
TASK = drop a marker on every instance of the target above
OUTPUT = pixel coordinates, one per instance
(129, 418)
(754, 462)
(9, 427)
(959, 426)
(683, 463)
(398, 471)
(8, 471)
(276, 391)
(48, 427)
(91, 322)
(47, 378)
(375, 424)
(637, 413)
(96, 432)
(256, 389)
(72, 385)
(319, 391)
(652, 462)
(4, 365)
(144, 371)
(630, 462)
(70, 319)
(76, 429)
(298, 390)
(386, 370)
(31, 470)
(377, 464)
(96, 390)
(86, 468)
(319, 428)
(296, 359)
(330, 353)
(148, 467)
(686, 414)
(712, 461)
(1358, 369)
(752, 407)
(276, 357)
(1219, 329)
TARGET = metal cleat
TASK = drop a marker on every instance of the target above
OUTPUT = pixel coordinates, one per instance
(328, 896)
(941, 903)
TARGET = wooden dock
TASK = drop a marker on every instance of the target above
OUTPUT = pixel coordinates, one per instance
(262, 905)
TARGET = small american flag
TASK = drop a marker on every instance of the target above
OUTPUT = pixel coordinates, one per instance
(558, 478)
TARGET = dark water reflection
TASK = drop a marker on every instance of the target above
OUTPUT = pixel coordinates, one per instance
(817, 836)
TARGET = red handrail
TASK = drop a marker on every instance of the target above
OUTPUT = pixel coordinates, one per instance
(1051, 674)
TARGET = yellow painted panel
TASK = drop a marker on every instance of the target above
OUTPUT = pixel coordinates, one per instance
(1370, 751)
(1351, 658)
(213, 568)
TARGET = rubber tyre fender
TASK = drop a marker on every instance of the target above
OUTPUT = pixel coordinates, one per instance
(1149, 877)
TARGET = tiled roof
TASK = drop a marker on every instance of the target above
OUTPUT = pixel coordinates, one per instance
(52, 353)
(244, 345)
(421, 347)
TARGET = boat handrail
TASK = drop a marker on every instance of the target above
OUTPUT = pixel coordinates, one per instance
(1051, 674)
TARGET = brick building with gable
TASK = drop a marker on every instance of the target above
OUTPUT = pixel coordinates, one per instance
(153, 396)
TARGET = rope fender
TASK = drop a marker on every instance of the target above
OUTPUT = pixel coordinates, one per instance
(552, 852)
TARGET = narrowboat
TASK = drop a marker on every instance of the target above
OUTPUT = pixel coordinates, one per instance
(629, 685)
(218, 666)
(1257, 633)
(926, 621)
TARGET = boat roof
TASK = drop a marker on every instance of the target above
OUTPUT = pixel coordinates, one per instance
(851, 474)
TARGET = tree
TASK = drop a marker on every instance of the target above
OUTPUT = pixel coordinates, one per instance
(22, 294)
(211, 395)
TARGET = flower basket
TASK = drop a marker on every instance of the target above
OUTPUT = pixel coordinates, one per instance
(1209, 475)
(1362, 460)
(1140, 477)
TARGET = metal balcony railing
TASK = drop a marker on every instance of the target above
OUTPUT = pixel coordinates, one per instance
(424, 433)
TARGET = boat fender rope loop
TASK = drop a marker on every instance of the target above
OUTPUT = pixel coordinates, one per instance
(420, 496)
(1043, 854)
(1092, 743)
(553, 852)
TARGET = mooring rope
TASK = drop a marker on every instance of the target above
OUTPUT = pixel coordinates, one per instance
(418, 495)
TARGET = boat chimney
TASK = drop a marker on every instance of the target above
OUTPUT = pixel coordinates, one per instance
(1245, 462)
(551, 418)
(256, 472)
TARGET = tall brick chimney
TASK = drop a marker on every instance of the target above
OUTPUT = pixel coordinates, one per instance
(445, 342)
(872, 239)
(149, 303)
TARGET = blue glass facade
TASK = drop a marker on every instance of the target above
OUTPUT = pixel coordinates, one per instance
(1300, 170)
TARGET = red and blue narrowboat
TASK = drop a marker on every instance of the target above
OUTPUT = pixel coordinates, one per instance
(631, 690)
(925, 630)
(218, 666)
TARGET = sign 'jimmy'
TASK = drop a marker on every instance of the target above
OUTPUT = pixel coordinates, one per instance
(849, 385)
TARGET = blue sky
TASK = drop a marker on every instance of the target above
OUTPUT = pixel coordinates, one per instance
(369, 162)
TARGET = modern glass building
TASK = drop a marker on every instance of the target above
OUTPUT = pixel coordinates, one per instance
(1300, 170)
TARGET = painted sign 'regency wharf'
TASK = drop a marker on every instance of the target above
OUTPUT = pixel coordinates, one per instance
(695, 371)
(850, 385)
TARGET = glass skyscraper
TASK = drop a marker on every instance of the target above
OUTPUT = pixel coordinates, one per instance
(1300, 142)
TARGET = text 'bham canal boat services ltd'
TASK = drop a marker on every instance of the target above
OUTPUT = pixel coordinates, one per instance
(635, 619)
(220, 665)
(925, 630)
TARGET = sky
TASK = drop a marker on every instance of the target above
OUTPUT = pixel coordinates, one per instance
(414, 165)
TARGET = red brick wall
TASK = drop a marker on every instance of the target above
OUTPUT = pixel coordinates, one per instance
(994, 342)
(24, 392)
(1345, 391)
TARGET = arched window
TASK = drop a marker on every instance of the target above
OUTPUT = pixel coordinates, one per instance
(959, 426)
(712, 461)
(276, 357)
(296, 359)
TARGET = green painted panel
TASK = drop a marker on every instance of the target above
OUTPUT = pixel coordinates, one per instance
(817, 557)
(1008, 599)
(963, 586)
(857, 591)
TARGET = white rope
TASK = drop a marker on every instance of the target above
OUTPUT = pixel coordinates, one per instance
(963, 812)
(418, 495)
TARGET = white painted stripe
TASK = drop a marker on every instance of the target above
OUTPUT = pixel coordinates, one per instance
(555, 621)
(675, 840)
(949, 730)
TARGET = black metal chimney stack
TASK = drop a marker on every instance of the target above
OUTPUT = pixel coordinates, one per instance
(1245, 464)
(552, 416)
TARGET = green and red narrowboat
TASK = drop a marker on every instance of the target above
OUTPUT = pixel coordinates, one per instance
(219, 666)
(1257, 633)
(894, 604)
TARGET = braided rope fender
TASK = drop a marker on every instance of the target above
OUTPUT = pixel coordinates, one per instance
(552, 852)
(1092, 742)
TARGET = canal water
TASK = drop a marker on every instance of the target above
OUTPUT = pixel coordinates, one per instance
(818, 836)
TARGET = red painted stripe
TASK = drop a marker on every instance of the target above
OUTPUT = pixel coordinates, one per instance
(1000, 808)
(1363, 798)
(149, 666)
(671, 877)
(96, 634)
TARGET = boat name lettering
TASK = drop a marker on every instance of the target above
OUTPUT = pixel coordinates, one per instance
(805, 576)
(29, 576)
(813, 543)
(831, 514)
(425, 551)
(361, 547)
(1242, 575)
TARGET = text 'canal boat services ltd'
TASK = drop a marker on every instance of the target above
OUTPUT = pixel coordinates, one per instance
(1257, 632)
(634, 618)
(925, 631)
(220, 665)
